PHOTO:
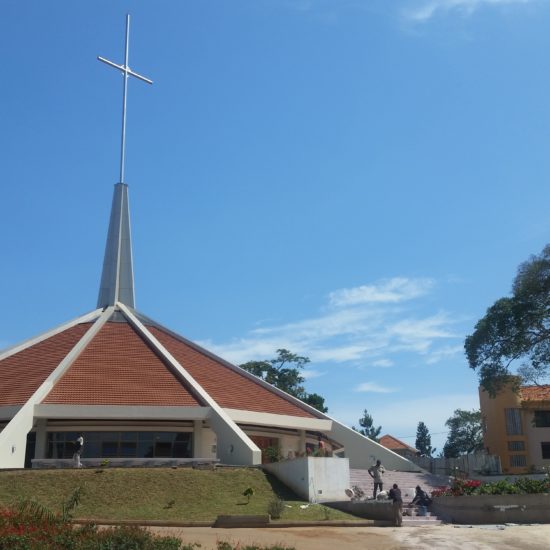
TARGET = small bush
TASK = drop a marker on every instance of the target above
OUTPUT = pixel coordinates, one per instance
(460, 487)
(276, 508)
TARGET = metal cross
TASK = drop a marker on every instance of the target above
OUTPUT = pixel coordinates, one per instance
(126, 71)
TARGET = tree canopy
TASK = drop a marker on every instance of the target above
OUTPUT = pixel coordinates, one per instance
(367, 427)
(284, 373)
(423, 442)
(515, 331)
(465, 433)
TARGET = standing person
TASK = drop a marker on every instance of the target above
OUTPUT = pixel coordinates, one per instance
(322, 450)
(376, 472)
(397, 505)
(78, 446)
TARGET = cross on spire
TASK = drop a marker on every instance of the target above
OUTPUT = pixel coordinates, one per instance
(126, 71)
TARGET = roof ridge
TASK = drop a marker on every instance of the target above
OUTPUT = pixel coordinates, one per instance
(234, 368)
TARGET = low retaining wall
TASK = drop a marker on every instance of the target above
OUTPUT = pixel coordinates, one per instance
(368, 509)
(232, 522)
(479, 509)
(49, 463)
(316, 479)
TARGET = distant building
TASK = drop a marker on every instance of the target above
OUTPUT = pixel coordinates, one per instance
(397, 446)
(516, 427)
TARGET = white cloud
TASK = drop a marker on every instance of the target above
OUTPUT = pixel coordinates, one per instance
(397, 289)
(309, 374)
(383, 363)
(360, 333)
(428, 9)
(445, 352)
(418, 334)
(373, 387)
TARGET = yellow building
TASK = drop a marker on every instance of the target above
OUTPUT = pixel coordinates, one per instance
(516, 427)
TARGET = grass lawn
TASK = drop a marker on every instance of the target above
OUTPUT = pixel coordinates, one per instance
(168, 494)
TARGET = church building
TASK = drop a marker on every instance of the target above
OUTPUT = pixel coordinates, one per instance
(137, 390)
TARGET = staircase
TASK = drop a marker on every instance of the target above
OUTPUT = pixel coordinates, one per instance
(407, 482)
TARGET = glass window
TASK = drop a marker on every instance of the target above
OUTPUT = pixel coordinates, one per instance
(163, 449)
(109, 449)
(516, 445)
(145, 449)
(542, 419)
(122, 444)
(513, 421)
(518, 461)
(545, 448)
(164, 436)
(128, 449)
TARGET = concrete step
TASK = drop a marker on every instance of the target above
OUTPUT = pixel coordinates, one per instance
(418, 521)
(407, 482)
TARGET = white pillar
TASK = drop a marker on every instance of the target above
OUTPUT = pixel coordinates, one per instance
(41, 438)
(302, 444)
(198, 451)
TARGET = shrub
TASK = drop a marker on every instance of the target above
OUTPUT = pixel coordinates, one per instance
(461, 487)
(276, 508)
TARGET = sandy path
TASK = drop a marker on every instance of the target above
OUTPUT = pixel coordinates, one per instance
(531, 537)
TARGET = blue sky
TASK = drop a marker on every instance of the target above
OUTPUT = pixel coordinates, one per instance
(356, 181)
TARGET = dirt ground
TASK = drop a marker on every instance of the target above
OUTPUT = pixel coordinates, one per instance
(531, 537)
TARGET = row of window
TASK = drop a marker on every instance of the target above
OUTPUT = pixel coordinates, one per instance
(122, 444)
(513, 420)
(520, 461)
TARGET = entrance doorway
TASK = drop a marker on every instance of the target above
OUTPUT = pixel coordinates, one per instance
(268, 445)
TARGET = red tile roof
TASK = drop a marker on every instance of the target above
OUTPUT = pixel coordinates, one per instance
(535, 393)
(22, 373)
(393, 443)
(229, 388)
(119, 368)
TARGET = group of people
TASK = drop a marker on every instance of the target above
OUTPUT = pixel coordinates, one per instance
(421, 498)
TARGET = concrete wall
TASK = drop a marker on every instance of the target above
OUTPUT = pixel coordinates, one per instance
(481, 509)
(362, 452)
(314, 478)
(368, 509)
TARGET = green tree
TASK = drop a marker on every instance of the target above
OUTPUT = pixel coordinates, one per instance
(465, 433)
(367, 427)
(315, 401)
(515, 331)
(283, 372)
(423, 441)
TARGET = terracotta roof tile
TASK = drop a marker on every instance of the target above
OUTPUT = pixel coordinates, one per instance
(22, 373)
(392, 443)
(229, 388)
(535, 393)
(118, 368)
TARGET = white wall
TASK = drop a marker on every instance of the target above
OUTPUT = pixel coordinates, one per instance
(314, 479)
(362, 452)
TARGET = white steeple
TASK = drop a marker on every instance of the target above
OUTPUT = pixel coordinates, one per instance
(117, 279)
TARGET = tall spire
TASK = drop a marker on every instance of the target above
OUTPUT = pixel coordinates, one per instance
(117, 279)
